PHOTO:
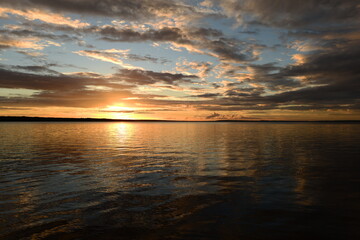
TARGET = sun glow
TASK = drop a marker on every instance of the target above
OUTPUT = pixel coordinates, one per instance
(118, 112)
(118, 108)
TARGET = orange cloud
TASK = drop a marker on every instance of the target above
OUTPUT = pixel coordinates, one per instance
(26, 42)
(49, 17)
(299, 58)
(202, 68)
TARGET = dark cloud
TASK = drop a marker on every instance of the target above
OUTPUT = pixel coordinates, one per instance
(329, 66)
(331, 75)
(207, 95)
(295, 13)
(165, 34)
(236, 107)
(12, 38)
(208, 32)
(346, 93)
(38, 69)
(61, 82)
(225, 49)
(231, 50)
(327, 79)
(125, 9)
(143, 77)
(74, 98)
(272, 76)
(16, 80)
(59, 90)
(215, 85)
(42, 35)
(244, 92)
(79, 89)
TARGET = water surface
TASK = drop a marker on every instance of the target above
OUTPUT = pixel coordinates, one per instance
(179, 181)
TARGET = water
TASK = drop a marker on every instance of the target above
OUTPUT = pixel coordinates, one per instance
(179, 181)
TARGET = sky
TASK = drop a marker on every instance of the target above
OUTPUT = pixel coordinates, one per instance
(181, 60)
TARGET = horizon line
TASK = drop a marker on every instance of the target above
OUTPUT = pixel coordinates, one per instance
(85, 119)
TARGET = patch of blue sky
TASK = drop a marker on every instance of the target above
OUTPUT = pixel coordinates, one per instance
(226, 25)
(268, 36)
(5, 21)
(281, 58)
(11, 57)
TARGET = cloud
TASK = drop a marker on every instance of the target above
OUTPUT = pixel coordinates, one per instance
(18, 80)
(202, 68)
(143, 77)
(133, 10)
(27, 32)
(77, 98)
(116, 55)
(48, 17)
(35, 36)
(26, 42)
(320, 81)
(166, 34)
(199, 40)
(334, 75)
(34, 68)
(111, 55)
(207, 95)
(81, 89)
(289, 14)
(31, 54)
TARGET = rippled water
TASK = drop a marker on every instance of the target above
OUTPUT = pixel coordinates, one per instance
(179, 181)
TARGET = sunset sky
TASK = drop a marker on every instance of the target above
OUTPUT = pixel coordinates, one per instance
(181, 60)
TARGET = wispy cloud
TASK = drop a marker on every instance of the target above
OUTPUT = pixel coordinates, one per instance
(111, 55)
(48, 17)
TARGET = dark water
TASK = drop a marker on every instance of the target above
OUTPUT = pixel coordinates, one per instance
(179, 181)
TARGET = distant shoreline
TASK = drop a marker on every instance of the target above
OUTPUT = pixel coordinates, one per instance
(54, 119)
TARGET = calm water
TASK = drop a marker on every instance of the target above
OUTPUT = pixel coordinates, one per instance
(179, 181)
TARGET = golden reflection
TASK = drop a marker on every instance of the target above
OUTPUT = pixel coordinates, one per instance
(121, 131)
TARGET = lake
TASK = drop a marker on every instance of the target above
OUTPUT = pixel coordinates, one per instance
(163, 180)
